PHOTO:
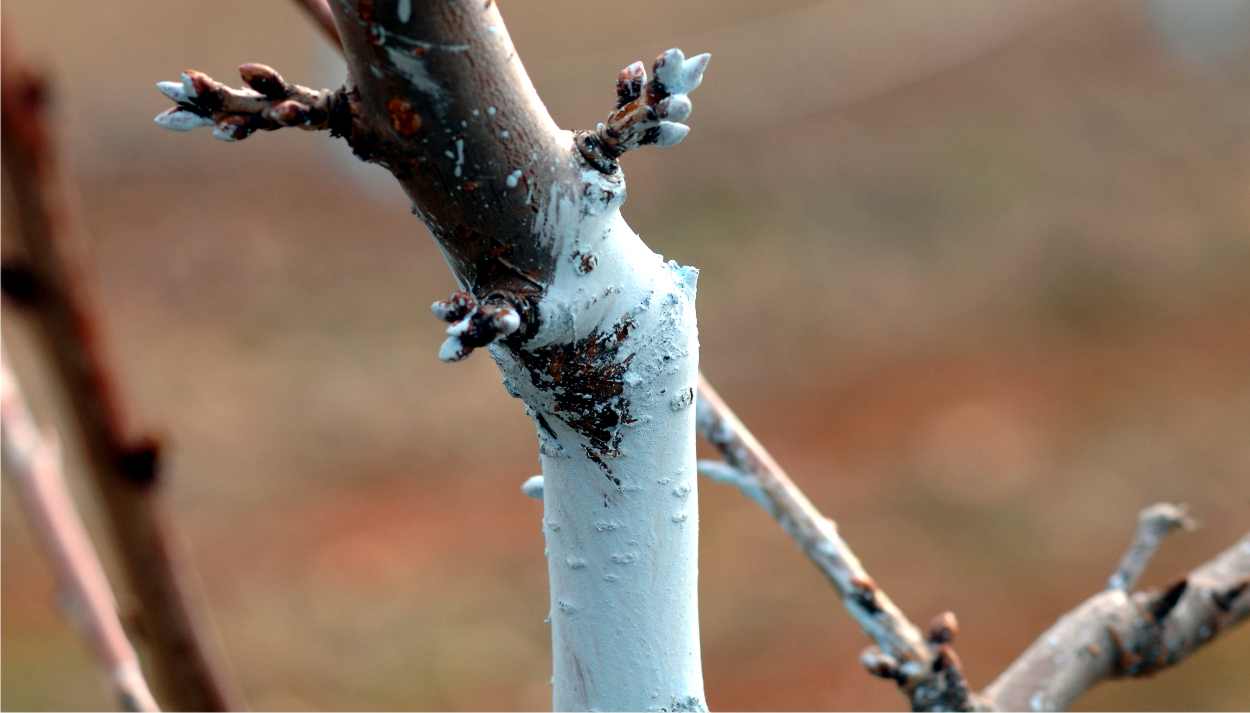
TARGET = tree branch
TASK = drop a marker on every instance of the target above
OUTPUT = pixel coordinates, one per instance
(1153, 524)
(1115, 634)
(925, 668)
(33, 466)
(125, 470)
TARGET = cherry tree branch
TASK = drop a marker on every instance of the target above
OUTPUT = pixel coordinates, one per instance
(125, 469)
(1117, 634)
(33, 467)
(926, 668)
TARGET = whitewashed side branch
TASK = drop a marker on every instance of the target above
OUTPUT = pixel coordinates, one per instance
(925, 667)
(1115, 634)
(33, 466)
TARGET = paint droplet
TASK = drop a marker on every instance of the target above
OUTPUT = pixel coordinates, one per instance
(575, 562)
(680, 517)
(567, 607)
(624, 558)
(681, 492)
(513, 178)
(610, 578)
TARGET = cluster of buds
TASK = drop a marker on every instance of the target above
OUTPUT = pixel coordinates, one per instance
(270, 103)
(473, 324)
(647, 112)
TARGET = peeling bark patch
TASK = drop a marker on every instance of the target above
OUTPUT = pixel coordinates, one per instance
(404, 120)
(586, 380)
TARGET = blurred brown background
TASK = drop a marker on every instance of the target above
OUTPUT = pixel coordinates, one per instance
(977, 272)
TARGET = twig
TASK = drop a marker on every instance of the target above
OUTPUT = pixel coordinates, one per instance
(124, 469)
(271, 103)
(1115, 634)
(647, 112)
(924, 667)
(319, 11)
(1153, 524)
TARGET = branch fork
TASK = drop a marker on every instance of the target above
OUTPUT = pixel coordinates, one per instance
(270, 103)
(647, 112)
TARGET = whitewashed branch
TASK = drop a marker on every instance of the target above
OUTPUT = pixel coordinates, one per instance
(32, 465)
(1153, 524)
(926, 668)
(1115, 634)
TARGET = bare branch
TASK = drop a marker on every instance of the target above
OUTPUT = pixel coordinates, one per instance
(271, 103)
(1153, 524)
(927, 670)
(1115, 634)
(124, 469)
(33, 466)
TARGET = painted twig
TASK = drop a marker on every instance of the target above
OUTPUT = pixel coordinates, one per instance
(1115, 634)
(925, 667)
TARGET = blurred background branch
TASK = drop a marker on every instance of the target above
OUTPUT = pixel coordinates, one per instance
(40, 280)
(32, 464)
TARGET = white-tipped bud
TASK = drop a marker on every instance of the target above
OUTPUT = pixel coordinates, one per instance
(443, 310)
(225, 132)
(173, 90)
(452, 350)
(458, 328)
(675, 108)
(533, 487)
(692, 73)
(668, 68)
(671, 133)
(507, 321)
(181, 120)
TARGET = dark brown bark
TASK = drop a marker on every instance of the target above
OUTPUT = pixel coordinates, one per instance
(125, 469)
(449, 109)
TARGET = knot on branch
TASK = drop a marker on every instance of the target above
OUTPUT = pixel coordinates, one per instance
(475, 324)
(271, 103)
(647, 112)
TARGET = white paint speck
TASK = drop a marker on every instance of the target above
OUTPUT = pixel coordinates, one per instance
(459, 157)
(513, 178)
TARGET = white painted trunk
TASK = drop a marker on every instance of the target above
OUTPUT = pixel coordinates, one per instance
(610, 380)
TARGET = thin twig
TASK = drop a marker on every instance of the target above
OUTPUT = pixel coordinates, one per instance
(1153, 524)
(124, 469)
(1115, 634)
(270, 103)
(924, 667)
(33, 467)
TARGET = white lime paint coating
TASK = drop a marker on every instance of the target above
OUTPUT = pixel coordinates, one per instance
(622, 537)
